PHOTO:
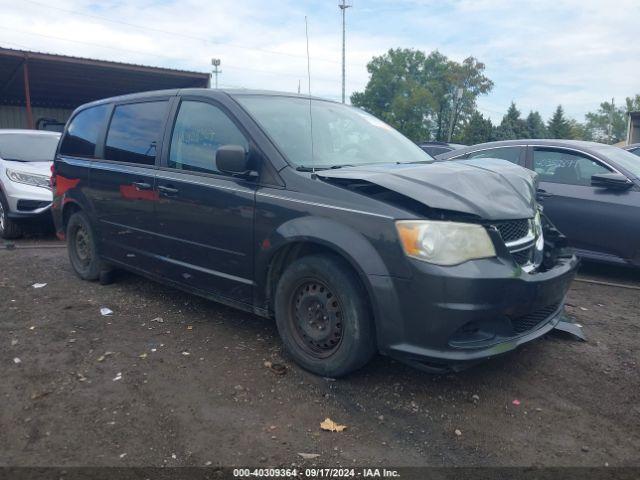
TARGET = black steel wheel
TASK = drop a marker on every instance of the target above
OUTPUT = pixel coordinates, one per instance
(82, 247)
(323, 316)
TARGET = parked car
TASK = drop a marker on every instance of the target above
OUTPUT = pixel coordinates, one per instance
(353, 238)
(26, 157)
(590, 191)
(633, 148)
(437, 148)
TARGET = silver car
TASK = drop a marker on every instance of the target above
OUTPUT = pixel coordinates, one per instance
(26, 157)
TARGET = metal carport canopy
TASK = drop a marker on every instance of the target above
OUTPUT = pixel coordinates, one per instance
(47, 80)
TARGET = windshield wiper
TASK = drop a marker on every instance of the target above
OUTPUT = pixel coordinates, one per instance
(304, 168)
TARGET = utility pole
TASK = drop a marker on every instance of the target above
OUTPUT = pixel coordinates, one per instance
(458, 96)
(216, 70)
(610, 126)
(343, 6)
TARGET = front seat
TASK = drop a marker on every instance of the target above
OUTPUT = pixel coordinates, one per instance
(565, 175)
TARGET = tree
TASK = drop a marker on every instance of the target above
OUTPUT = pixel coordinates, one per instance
(416, 93)
(558, 126)
(535, 126)
(512, 126)
(477, 130)
(609, 123)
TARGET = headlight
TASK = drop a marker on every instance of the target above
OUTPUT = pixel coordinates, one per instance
(29, 178)
(444, 243)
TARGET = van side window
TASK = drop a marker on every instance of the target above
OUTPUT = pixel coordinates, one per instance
(134, 132)
(82, 134)
(200, 129)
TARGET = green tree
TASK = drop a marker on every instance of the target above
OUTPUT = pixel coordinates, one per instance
(417, 94)
(608, 124)
(477, 130)
(535, 126)
(579, 131)
(512, 126)
(558, 126)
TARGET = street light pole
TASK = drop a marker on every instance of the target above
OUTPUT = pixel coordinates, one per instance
(343, 6)
(216, 70)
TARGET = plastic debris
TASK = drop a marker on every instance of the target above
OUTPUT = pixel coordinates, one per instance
(186, 354)
(516, 402)
(106, 312)
(158, 319)
(14, 342)
(17, 361)
(142, 355)
(189, 327)
(458, 432)
(122, 455)
(331, 426)
(309, 456)
(118, 377)
(39, 285)
(277, 368)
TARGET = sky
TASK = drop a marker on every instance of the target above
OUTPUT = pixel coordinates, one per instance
(539, 54)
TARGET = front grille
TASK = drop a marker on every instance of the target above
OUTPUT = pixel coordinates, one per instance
(512, 230)
(523, 256)
(529, 322)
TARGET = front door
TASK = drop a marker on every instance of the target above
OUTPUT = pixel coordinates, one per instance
(205, 217)
(595, 220)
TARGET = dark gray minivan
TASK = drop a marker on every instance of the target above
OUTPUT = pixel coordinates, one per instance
(317, 214)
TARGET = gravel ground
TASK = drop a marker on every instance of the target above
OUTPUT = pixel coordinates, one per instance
(82, 389)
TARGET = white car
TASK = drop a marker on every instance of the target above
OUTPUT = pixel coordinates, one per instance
(26, 157)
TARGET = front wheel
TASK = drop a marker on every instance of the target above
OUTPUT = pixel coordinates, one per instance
(8, 228)
(323, 316)
(82, 247)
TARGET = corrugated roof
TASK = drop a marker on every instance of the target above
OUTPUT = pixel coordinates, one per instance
(67, 81)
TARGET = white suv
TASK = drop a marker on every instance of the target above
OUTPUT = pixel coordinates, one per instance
(26, 157)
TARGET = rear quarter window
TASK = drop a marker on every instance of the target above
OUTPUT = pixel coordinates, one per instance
(83, 131)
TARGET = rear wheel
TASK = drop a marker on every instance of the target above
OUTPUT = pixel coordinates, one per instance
(323, 316)
(8, 228)
(82, 247)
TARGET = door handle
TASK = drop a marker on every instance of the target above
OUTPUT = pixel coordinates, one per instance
(167, 191)
(142, 186)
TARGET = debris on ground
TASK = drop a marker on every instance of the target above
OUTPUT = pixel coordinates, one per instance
(331, 426)
(142, 355)
(475, 398)
(122, 455)
(106, 312)
(38, 396)
(14, 342)
(17, 361)
(81, 377)
(309, 456)
(118, 377)
(101, 358)
(185, 353)
(39, 285)
(458, 432)
(516, 402)
(277, 368)
(158, 319)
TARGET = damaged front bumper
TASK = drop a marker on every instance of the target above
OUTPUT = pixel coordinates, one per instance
(447, 318)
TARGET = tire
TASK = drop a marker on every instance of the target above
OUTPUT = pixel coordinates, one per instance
(323, 316)
(81, 245)
(9, 229)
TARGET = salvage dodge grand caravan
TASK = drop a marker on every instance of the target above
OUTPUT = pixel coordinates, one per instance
(317, 214)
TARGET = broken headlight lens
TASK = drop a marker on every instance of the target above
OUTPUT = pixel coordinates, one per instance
(28, 178)
(444, 243)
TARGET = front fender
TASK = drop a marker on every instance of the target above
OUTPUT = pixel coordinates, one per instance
(345, 241)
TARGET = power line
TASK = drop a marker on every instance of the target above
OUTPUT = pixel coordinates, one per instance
(178, 34)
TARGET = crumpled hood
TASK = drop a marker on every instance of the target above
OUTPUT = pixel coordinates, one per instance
(488, 188)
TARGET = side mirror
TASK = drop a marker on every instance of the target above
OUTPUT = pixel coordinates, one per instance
(612, 181)
(232, 159)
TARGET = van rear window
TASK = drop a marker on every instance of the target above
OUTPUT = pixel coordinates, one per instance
(82, 135)
(135, 131)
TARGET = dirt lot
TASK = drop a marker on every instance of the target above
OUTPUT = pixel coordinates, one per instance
(194, 388)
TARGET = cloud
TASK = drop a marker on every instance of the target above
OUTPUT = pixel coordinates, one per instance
(539, 54)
